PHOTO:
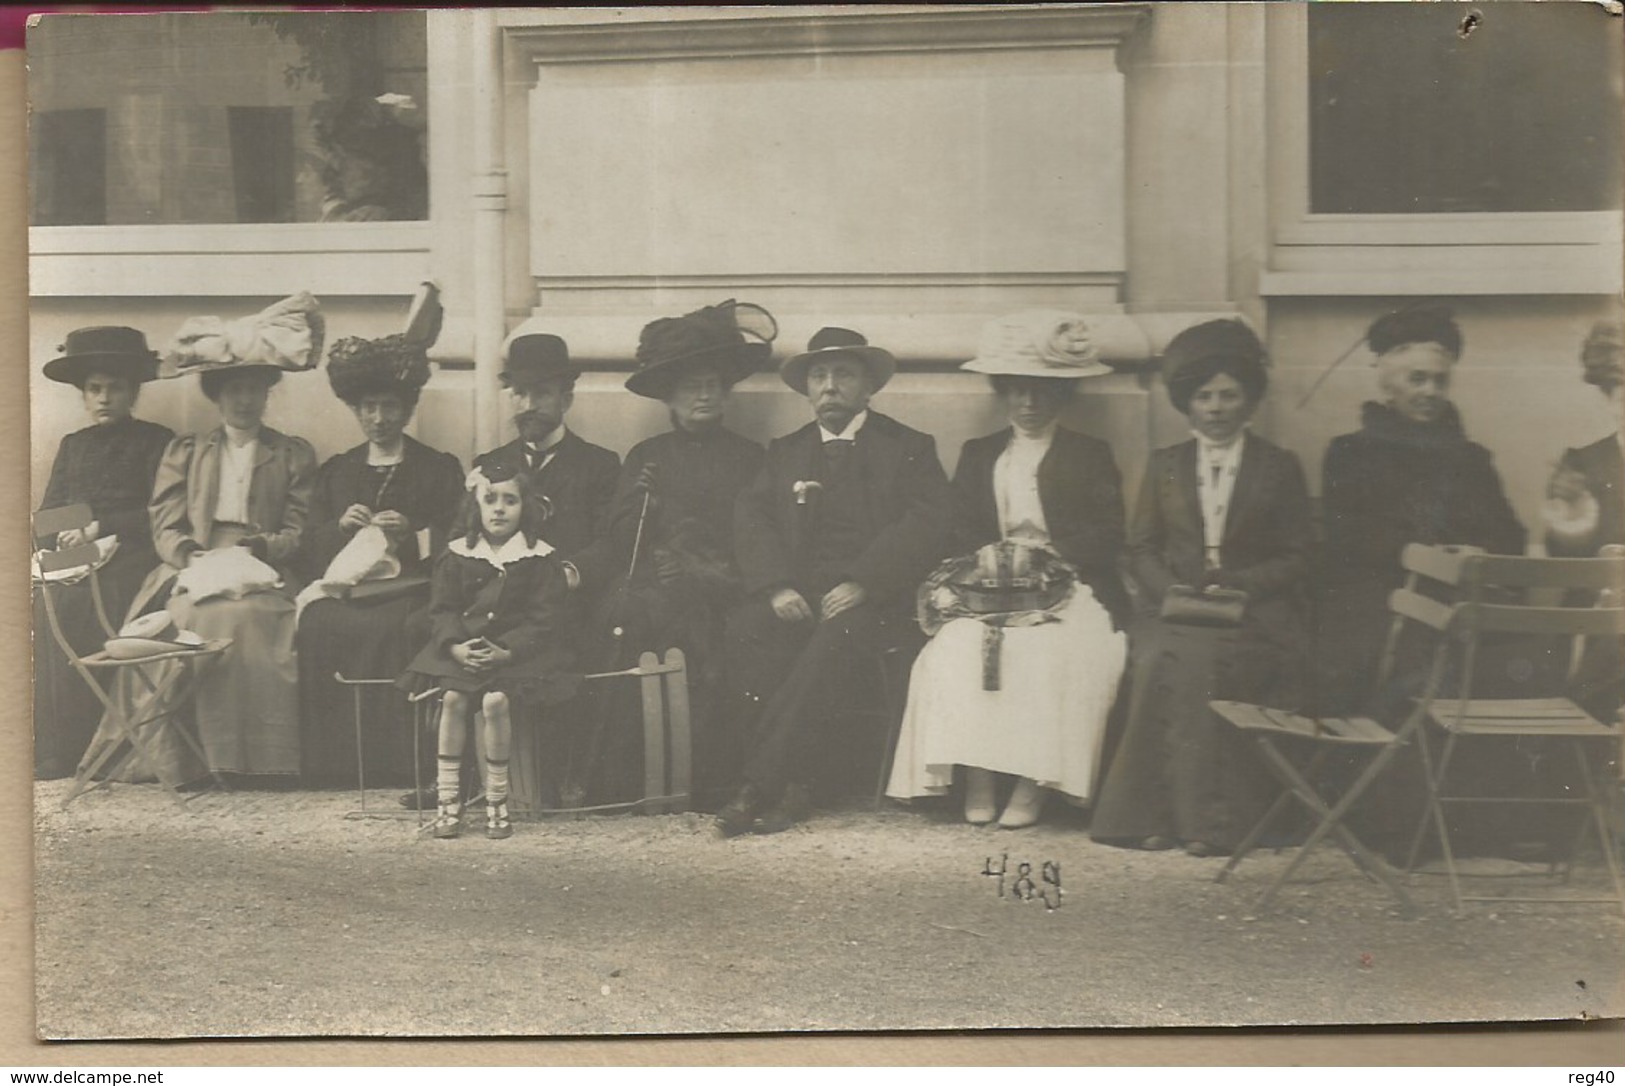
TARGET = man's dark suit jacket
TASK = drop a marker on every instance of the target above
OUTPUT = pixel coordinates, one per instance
(1082, 495)
(908, 506)
(579, 480)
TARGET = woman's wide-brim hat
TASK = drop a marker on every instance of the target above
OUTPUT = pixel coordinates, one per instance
(1038, 343)
(111, 349)
(734, 338)
(150, 635)
(286, 336)
(828, 343)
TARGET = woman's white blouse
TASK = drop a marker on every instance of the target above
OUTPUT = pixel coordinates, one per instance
(1015, 486)
(236, 473)
(1216, 470)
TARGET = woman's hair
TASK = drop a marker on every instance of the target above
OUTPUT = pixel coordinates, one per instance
(1601, 356)
(1424, 324)
(534, 509)
(1249, 373)
(1200, 353)
(214, 382)
(1063, 387)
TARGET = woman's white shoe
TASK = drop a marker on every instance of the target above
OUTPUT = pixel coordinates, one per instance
(980, 805)
(1025, 804)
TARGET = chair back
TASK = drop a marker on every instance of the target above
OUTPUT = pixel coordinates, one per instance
(1490, 594)
(47, 525)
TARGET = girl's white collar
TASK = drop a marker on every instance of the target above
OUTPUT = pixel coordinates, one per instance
(512, 549)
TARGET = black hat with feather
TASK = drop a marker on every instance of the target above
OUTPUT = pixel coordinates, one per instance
(399, 363)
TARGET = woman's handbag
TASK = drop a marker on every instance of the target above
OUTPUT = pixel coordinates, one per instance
(1210, 606)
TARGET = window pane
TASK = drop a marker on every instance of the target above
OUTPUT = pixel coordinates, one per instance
(68, 166)
(228, 117)
(1408, 114)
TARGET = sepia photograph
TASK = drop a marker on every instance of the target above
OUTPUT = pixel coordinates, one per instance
(757, 520)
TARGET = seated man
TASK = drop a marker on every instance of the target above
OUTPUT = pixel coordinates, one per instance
(846, 517)
(577, 477)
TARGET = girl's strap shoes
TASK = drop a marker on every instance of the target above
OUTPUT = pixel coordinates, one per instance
(497, 825)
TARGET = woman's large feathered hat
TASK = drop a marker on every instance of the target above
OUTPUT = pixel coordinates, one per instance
(398, 363)
(735, 338)
(286, 336)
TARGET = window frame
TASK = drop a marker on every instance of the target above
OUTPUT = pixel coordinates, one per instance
(1443, 253)
(356, 259)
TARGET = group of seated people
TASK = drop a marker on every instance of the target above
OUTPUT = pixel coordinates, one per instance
(798, 580)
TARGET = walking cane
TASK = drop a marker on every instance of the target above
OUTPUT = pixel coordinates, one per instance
(595, 741)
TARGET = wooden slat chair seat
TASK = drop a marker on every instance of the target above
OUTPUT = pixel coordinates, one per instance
(158, 694)
(1481, 583)
(1279, 736)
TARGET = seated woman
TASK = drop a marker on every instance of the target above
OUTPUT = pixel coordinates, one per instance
(1225, 511)
(407, 494)
(109, 465)
(1585, 509)
(237, 492)
(1409, 475)
(1011, 682)
(674, 507)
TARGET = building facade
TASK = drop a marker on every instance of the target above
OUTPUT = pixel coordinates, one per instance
(909, 172)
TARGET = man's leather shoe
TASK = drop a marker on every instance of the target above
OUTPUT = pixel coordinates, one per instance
(793, 806)
(736, 818)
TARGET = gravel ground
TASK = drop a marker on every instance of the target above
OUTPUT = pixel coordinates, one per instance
(271, 914)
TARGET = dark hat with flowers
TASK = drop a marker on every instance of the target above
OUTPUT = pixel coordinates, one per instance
(734, 338)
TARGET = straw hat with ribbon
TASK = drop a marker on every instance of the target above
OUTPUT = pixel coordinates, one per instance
(1038, 343)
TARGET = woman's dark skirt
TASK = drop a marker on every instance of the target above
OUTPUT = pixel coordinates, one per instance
(1180, 771)
(368, 639)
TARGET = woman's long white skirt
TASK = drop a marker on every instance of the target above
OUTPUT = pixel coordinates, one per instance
(1046, 721)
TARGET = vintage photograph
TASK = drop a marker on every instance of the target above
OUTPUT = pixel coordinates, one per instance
(594, 521)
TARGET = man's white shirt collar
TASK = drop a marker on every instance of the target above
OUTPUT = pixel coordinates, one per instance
(512, 550)
(851, 430)
(550, 442)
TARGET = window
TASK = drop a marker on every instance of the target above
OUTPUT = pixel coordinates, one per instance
(228, 118)
(1411, 111)
(1412, 154)
(68, 166)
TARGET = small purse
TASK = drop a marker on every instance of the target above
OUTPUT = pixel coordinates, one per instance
(1211, 606)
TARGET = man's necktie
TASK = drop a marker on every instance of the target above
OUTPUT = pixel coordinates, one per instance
(837, 452)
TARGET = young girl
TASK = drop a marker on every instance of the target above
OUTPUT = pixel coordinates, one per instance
(497, 613)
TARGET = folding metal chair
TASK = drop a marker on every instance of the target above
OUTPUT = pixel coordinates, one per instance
(422, 709)
(1276, 732)
(166, 679)
(667, 739)
(1481, 583)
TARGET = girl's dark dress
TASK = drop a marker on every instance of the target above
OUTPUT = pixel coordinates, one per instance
(112, 468)
(514, 596)
(366, 637)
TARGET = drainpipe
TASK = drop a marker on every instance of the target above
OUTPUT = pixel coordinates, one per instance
(490, 205)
